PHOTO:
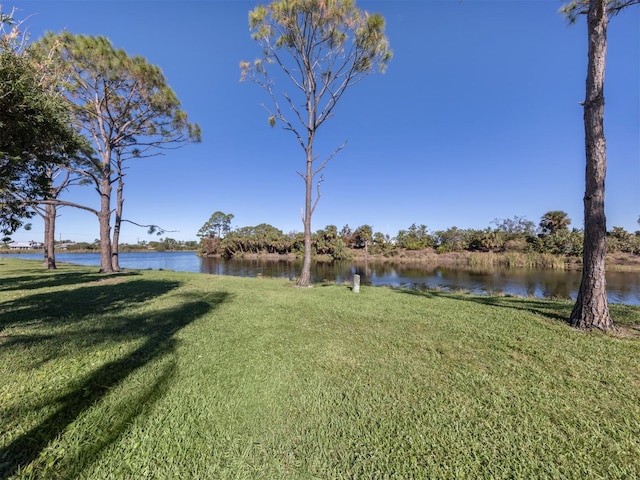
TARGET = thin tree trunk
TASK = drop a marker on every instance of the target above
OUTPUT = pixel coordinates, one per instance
(115, 258)
(50, 236)
(305, 276)
(45, 260)
(104, 218)
(304, 280)
(118, 220)
(591, 308)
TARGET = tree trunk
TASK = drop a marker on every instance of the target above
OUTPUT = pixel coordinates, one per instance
(304, 279)
(45, 220)
(115, 260)
(591, 308)
(50, 237)
(104, 218)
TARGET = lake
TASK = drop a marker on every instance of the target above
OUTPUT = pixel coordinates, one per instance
(623, 287)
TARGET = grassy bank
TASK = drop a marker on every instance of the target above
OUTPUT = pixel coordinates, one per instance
(616, 262)
(167, 375)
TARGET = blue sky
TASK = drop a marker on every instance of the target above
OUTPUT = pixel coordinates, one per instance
(476, 118)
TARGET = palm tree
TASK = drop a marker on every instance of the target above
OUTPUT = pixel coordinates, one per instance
(554, 221)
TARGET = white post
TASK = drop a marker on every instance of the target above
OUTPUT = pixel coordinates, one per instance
(356, 284)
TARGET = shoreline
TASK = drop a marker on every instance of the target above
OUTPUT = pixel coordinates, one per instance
(616, 262)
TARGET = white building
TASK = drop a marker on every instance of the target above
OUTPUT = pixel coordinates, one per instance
(26, 245)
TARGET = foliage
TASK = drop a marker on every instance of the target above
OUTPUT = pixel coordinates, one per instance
(515, 226)
(562, 242)
(329, 242)
(619, 240)
(452, 239)
(342, 244)
(35, 129)
(82, 246)
(415, 238)
(210, 246)
(554, 222)
(218, 225)
(165, 244)
(267, 239)
(574, 8)
(362, 237)
(136, 102)
(381, 243)
(345, 234)
(158, 374)
(263, 238)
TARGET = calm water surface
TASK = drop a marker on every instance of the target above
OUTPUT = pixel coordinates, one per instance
(623, 287)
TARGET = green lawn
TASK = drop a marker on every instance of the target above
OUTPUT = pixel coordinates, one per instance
(167, 375)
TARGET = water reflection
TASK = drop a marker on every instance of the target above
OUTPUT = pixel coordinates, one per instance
(623, 287)
(250, 268)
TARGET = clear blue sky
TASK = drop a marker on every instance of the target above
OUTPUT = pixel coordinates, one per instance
(476, 118)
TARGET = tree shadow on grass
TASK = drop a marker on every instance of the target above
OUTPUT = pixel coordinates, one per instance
(54, 278)
(154, 330)
(94, 296)
(625, 316)
(553, 310)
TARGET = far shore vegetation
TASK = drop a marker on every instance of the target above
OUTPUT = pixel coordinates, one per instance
(509, 243)
(161, 374)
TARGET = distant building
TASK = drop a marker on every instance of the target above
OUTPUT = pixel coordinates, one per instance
(26, 245)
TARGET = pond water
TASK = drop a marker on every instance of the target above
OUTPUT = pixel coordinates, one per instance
(623, 287)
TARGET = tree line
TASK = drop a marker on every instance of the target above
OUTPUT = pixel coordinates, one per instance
(163, 244)
(551, 235)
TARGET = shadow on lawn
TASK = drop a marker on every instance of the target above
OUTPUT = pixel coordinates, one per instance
(556, 311)
(94, 295)
(154, 330)
(54, 278)
(625, 316)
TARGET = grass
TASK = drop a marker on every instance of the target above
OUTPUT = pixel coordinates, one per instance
(168, 375)
(542, 261)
